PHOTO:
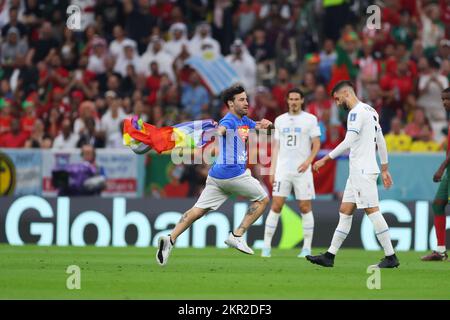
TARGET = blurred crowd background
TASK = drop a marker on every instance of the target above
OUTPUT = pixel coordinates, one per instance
(62, 89)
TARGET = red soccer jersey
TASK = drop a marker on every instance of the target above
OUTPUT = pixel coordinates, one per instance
(5, 123)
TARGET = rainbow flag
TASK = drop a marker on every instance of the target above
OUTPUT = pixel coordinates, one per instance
(142, 137)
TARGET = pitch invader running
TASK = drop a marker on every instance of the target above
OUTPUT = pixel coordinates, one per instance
(297, 141)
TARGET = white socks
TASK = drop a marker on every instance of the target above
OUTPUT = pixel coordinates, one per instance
(271, 226)
(382, 232)
(441, 249)
(308, 229)
(342, 231)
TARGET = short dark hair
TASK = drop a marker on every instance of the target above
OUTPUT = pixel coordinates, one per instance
(446, 90)
(340, 85)
(295, 90)
(228, 94)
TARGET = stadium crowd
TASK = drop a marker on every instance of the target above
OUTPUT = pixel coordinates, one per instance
(62, 89)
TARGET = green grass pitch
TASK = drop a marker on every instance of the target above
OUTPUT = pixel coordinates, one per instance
(33, 272)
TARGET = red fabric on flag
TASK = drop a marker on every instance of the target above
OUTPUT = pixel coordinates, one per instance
(159, 139)
(324, 179)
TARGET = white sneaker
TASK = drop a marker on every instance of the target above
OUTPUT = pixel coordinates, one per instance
(265, 253)
(238, 243)
(164, 248)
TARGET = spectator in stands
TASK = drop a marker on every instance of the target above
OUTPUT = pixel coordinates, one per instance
(139, 24)
(117, 45)
(406, 31)
(368, 69)
(281, 88)
(111, 14)
(320, 103)
(265, 105)
(308, 85)
(86, 111)
(414, 128)
(5, 115)
(395, 91)
(246, 16)
(15, 138)
(42, 46)
(244, 65)
(130, 57)
(53, 123)
(66, 139)
(328, 57)
(29, 118)
(331, 134)
(431, 84)
(39, 138)
(202, 42)
(153, 83)
(98, 56)
(90, 135)
(12, 48)
(178, 38)
(194, 97)
(14, 23)
(156, 53)
(396, 139)
(111, 120)
(432, 30)
(425, 143)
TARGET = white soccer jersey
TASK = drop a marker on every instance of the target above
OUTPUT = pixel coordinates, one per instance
(363, 120)
(294, 134)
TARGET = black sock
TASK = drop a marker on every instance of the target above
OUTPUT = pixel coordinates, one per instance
(329, 255)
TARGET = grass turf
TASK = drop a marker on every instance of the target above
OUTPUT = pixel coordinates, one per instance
(33, 272)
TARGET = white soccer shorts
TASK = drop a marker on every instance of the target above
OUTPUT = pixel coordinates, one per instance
(217, 191)
(303, 184)
(362, 189)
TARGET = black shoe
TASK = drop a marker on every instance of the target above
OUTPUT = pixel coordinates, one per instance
(323, 260)
(389, 262)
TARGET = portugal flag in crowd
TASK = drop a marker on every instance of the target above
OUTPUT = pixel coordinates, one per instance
(141, 136)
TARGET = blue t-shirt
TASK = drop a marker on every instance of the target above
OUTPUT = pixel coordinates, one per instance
(232, 158)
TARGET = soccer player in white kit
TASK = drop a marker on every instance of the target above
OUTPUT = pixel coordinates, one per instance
(363, 138)
(295, 133)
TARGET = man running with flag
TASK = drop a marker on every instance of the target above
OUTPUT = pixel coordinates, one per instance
(228, 175)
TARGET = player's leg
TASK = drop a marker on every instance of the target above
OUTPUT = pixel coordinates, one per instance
(439, 203)
(250, 188)
(211, 198)
(271, 223)
(304, 193)
(281, 189)
(367, 199)
(384, 237)
(348, 205)
(308, 227)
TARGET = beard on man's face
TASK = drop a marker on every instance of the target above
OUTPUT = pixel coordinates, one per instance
(344, 106)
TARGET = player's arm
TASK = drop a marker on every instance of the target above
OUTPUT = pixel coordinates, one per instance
(383, 154)
(314, 150)
(221, 130)
(440, 171)
(264, 124)
(350, 138)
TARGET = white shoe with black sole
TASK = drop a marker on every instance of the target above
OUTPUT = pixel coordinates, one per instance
(164, 249)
